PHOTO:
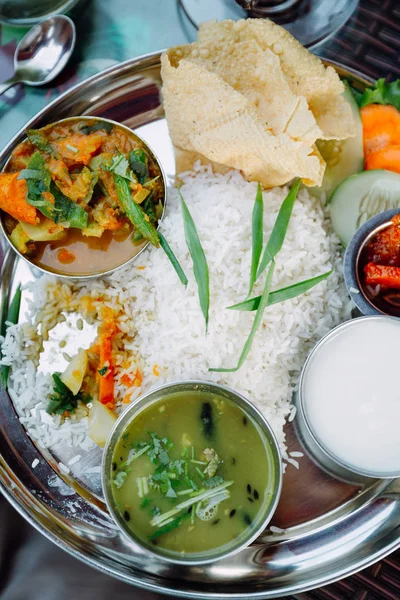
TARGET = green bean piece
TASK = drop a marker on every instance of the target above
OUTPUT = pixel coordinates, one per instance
(134, 212)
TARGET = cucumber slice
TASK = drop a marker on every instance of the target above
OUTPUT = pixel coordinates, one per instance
(343, 157)
(360, 197)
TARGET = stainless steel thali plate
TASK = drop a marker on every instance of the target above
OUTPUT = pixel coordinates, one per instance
(330, 529)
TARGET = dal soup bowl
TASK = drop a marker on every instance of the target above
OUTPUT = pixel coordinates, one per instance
(172, 408)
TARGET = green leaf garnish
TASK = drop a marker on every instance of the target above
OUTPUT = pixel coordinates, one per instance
(279, 229)
(172, 258)
(30, 174)
(103, 370)
(286, 293)
(12, 317)
(120, 166)
(105, 125)
(200, 266)
(213, 481)
(169, 526)
(256, 323)
(39, 140)
(257, 236)
(382, 93)
(63, 399)
(139, 163)
(145, 502)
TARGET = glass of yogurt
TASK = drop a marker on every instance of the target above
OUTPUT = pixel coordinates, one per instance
(349, 399)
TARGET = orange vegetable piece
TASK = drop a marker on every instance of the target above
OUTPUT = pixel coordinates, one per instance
(382, 275)
(106, 383)
(381, 127)
(65, 257)
(13, 193)
(387, 158)
(79, 148)
(59, 171)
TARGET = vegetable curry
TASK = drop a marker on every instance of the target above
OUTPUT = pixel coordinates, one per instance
(192, 473)
(82, 196)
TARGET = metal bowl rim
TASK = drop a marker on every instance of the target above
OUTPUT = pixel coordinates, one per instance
(118, 267)
(352, 255)
(150, 398)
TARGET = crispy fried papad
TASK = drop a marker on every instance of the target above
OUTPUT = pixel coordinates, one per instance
(208, 116)
(304, 72)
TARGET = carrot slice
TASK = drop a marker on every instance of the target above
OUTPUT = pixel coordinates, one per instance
(78, 148)
(13, 193)
(382, 275)
(381, 127)
(106, 383)
(388, 158)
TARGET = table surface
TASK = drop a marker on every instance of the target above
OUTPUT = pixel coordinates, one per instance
(110, 31)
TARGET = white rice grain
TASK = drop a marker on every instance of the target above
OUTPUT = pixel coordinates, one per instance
(161, 330)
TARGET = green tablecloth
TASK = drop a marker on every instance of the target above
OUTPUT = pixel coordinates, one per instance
(108, 31)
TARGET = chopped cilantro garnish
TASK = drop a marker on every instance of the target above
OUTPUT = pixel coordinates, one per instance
(175, 478)
(103, 370)
(63, 399)
(86, 129)
(213, 481)
(119, 479)
(120, 166)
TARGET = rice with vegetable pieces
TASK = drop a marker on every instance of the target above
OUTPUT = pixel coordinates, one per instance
(161, 331)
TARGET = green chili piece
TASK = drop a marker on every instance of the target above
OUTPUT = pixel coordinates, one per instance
(134, 212)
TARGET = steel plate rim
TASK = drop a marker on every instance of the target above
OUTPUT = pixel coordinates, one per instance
(167, 588)
(264, 595)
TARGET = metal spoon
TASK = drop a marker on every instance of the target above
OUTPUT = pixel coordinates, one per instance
(43, 52)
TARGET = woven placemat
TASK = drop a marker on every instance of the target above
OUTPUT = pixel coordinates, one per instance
(369, 43)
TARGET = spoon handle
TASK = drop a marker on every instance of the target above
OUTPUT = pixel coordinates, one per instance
(9, 83)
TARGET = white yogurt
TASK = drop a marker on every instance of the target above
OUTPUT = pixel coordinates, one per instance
(351, 394)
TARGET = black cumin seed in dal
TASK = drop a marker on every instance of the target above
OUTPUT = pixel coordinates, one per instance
(127, 516)
(256, 495)
(215, 522)
(250, 499)
(232, 513)
(233, 460)
(248, 488)
(114, 466)
(244, 420)
(247, 519)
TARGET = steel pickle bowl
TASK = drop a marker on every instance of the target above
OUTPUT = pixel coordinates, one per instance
(312, 443)
(96, 274)
(351, 265)
(272, 449)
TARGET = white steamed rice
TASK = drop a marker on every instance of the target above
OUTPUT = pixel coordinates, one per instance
(161, 327)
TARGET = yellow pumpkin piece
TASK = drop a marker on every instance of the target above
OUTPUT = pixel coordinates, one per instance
(101, 421)
(75, 372)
